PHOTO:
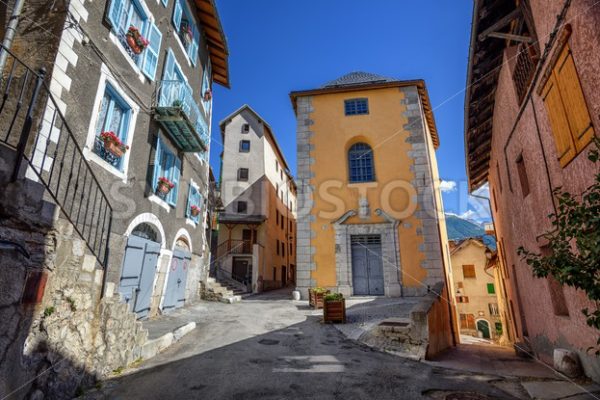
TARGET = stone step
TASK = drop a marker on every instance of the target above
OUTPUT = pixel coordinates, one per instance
(231, 299)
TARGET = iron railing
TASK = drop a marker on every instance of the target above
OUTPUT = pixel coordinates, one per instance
(175, 93)
(32, 123)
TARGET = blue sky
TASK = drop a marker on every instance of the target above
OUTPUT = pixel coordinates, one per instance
(277, 46)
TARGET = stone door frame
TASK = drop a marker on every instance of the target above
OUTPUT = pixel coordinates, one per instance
(390, 251)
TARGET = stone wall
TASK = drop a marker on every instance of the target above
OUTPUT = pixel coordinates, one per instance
(67, 337)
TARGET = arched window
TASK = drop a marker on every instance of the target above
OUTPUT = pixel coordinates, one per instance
(360, 163)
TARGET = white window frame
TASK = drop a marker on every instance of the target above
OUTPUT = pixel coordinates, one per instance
(188, 220)
(106, 77)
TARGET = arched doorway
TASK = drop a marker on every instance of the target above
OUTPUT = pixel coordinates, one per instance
(174, 293)
(139, 268)
(484, 327)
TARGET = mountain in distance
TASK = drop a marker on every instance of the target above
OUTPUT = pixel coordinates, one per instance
(460, 228)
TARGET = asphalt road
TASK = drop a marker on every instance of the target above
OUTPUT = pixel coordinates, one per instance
(272, 348)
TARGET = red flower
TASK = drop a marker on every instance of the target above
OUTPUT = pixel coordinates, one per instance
(166, 181)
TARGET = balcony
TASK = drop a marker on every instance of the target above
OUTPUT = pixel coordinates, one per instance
(175, 109)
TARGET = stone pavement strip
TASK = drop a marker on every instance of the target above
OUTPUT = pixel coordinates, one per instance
(269, 347)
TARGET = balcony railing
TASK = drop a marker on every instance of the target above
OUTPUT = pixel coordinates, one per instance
(176, 109)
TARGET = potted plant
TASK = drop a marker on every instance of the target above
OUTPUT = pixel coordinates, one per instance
(164, 185)
(194, 210)
(135, 40)
(334, 308)
(317, 294)
(113, 144)
(207, 95)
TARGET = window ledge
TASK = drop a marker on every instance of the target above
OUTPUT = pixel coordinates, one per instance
(91, 156)
(157, 200)
(136, 68)
(191, 222)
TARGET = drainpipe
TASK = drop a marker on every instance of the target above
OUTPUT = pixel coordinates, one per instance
(11, 29)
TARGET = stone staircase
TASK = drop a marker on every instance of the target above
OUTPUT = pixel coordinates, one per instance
(223, 292)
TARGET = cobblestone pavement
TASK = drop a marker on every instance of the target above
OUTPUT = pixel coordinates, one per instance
(269, 347)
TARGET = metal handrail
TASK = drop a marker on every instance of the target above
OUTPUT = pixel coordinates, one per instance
(55, 159)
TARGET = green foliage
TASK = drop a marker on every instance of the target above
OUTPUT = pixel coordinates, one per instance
(334, 297)
(319, 290)
(48, 311)
(574, 244)
(71, 304)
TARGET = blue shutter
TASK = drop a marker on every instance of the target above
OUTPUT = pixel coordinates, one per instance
(190, 202)
(167, 89)
(177, 11)
(114, 12)
(157, 163)
(169, 66)
(198, 202)
(165, 2)
(174, 167)
(151, 54)
(193, 48)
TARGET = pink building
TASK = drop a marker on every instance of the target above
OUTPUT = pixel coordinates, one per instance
(532, 108)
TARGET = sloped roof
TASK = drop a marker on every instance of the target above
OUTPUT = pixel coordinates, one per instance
(358, 78)
(216, 40)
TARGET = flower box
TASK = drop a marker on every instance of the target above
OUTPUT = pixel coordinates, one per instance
(137, 43)
(113, 144)
(316, 296)
(164, 185)
(334, 308)
(195, 211)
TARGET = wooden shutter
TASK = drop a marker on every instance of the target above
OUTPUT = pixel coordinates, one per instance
(150, 61)
(114, 13)
(469, 271)
(177, 12)
(565, 148)
(175, 171)
(573, 100)
(157, 164)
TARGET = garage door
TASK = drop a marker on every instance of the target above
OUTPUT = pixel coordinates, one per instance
(367, 265)
(176, 281)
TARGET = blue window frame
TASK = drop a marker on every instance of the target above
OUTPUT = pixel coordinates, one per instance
(206, 78)
(244, 146)
(187, 30)
(356, 106)
(194, 199)
(360, 163)
(114, 116)
(168, 165)
(123, 14)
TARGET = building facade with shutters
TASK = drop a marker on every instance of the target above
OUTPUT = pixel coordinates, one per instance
(530, 116)
(110, 151)
(474, 289)
(257, 225)
(370, 219)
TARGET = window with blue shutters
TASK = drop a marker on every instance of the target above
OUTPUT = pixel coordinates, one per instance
(124, 14)
(194, 200)
(356, 106)
(114, 116)
(206, 91)
(187, 30)
(168, 165)
(360, 163)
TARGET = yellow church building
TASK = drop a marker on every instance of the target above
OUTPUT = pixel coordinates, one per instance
(370, 217)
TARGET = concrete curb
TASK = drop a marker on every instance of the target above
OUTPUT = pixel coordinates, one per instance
(152, 347)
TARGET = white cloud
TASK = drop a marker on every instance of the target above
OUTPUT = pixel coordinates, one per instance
(447, 186)
(469, 214)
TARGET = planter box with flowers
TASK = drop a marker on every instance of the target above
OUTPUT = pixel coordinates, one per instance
(194, 210)
(137, 43)
(164, 186)
(113, 144)
(334, 308)
(316, 296)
